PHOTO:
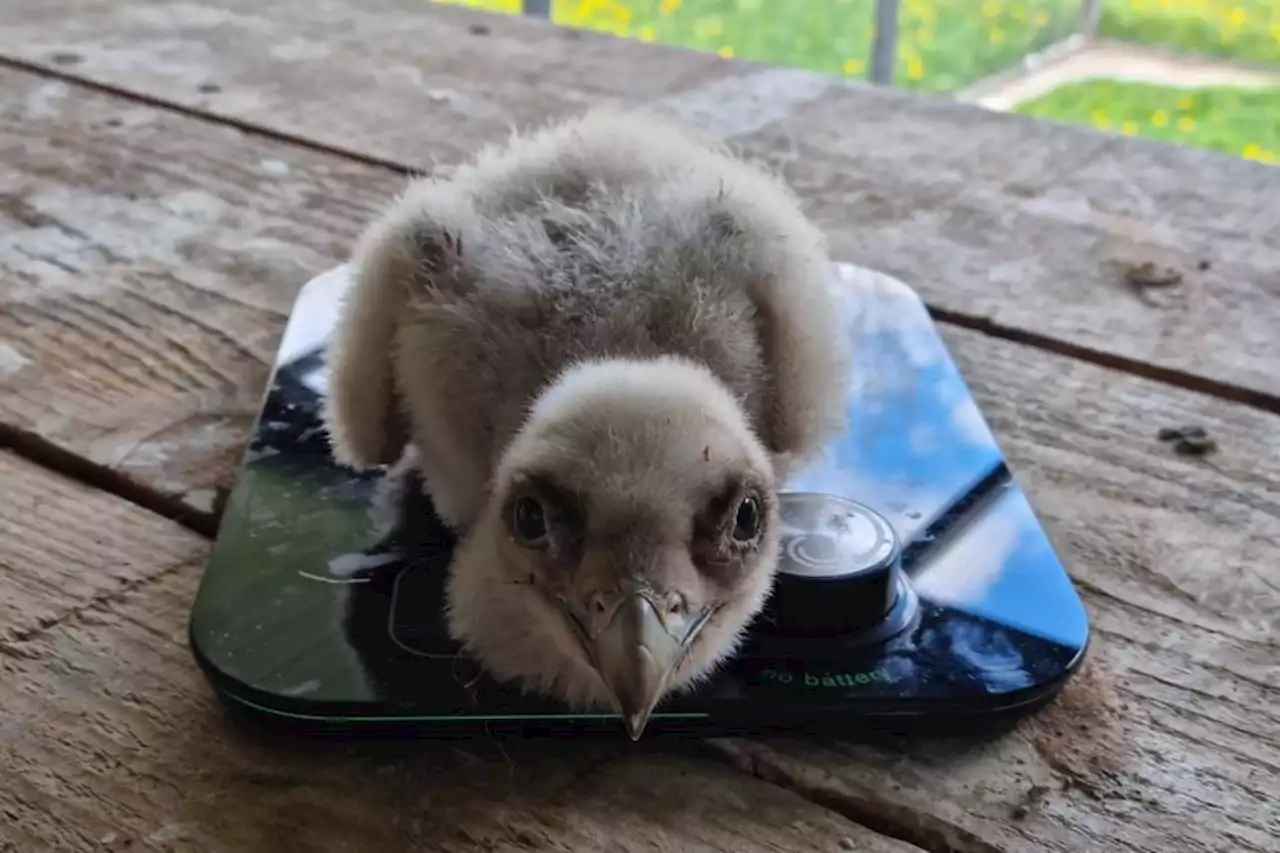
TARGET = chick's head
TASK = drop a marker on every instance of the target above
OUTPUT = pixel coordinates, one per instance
(629, 538)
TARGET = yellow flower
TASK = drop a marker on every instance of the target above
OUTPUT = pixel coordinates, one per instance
(1159, 118)
(726, 51)
(1186, 102)
(1251, 151)
(1129, 128)
(1100, 119)
(666, 7)
(852, 66)
(915, 68)
(1186, 124)
(1266, 156)
(1237, 17)
(996, 36)
(647, 34)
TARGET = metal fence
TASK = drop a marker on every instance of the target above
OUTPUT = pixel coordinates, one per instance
(1065, 22)
(884, 40)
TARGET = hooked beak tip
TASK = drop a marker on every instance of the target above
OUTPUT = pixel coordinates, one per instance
(635, 725)
(635, 656)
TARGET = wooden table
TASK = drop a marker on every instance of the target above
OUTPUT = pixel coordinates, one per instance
(172, 172)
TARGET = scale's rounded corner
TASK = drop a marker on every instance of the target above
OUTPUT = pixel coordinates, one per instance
(218, 678)
(198, 635)
(323, 293)
(874, 282)
(229, 691)
(1085, 644)
(338, 276)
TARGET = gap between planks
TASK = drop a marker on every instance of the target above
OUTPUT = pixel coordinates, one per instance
(38, 450)
(50, 456)
(37, 69)
(1228, 391)
(171, 505)
(923, 831)
(918, 829)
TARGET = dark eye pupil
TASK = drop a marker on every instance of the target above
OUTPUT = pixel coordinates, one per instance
(747, 521)
(529, 521)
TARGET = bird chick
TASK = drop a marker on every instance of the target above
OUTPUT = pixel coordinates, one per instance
(603, 345)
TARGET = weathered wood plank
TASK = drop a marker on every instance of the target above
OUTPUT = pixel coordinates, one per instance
(41, 574)
(147, 264)
(1170, 740)
(1175, 720)
(1045, 229)
(453, 75)
(110, 741)
(1178, 556)
(999, 218)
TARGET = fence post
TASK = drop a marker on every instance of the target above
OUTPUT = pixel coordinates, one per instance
(884, 44)
(1090, 13)
(536, 8)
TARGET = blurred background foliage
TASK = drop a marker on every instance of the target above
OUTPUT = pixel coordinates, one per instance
(1244, 122)
(944, 46)
(1246, 30)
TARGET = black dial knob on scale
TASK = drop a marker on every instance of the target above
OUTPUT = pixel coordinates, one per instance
(838, 571)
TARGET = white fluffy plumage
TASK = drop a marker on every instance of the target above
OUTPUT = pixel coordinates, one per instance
(619, 330)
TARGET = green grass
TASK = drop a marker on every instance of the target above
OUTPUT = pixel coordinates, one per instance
(1246, 30)
(1236, 121)
(943, 44)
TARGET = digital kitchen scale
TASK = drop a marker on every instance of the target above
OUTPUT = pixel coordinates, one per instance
(916, 590)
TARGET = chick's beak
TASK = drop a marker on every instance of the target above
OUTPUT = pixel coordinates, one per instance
(636, 651)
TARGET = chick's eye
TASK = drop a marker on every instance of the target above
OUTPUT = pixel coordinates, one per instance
(746, 524)
(529, 521)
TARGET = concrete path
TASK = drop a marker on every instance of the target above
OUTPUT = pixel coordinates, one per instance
(1115, 61)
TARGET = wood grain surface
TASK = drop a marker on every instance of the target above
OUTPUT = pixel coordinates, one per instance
(44, 576)
(110, 740)
(1170, 738)
(1018, 225)
(1175, 716)
(147, 264)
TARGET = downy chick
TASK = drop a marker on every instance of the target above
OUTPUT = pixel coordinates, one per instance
(603, 345)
